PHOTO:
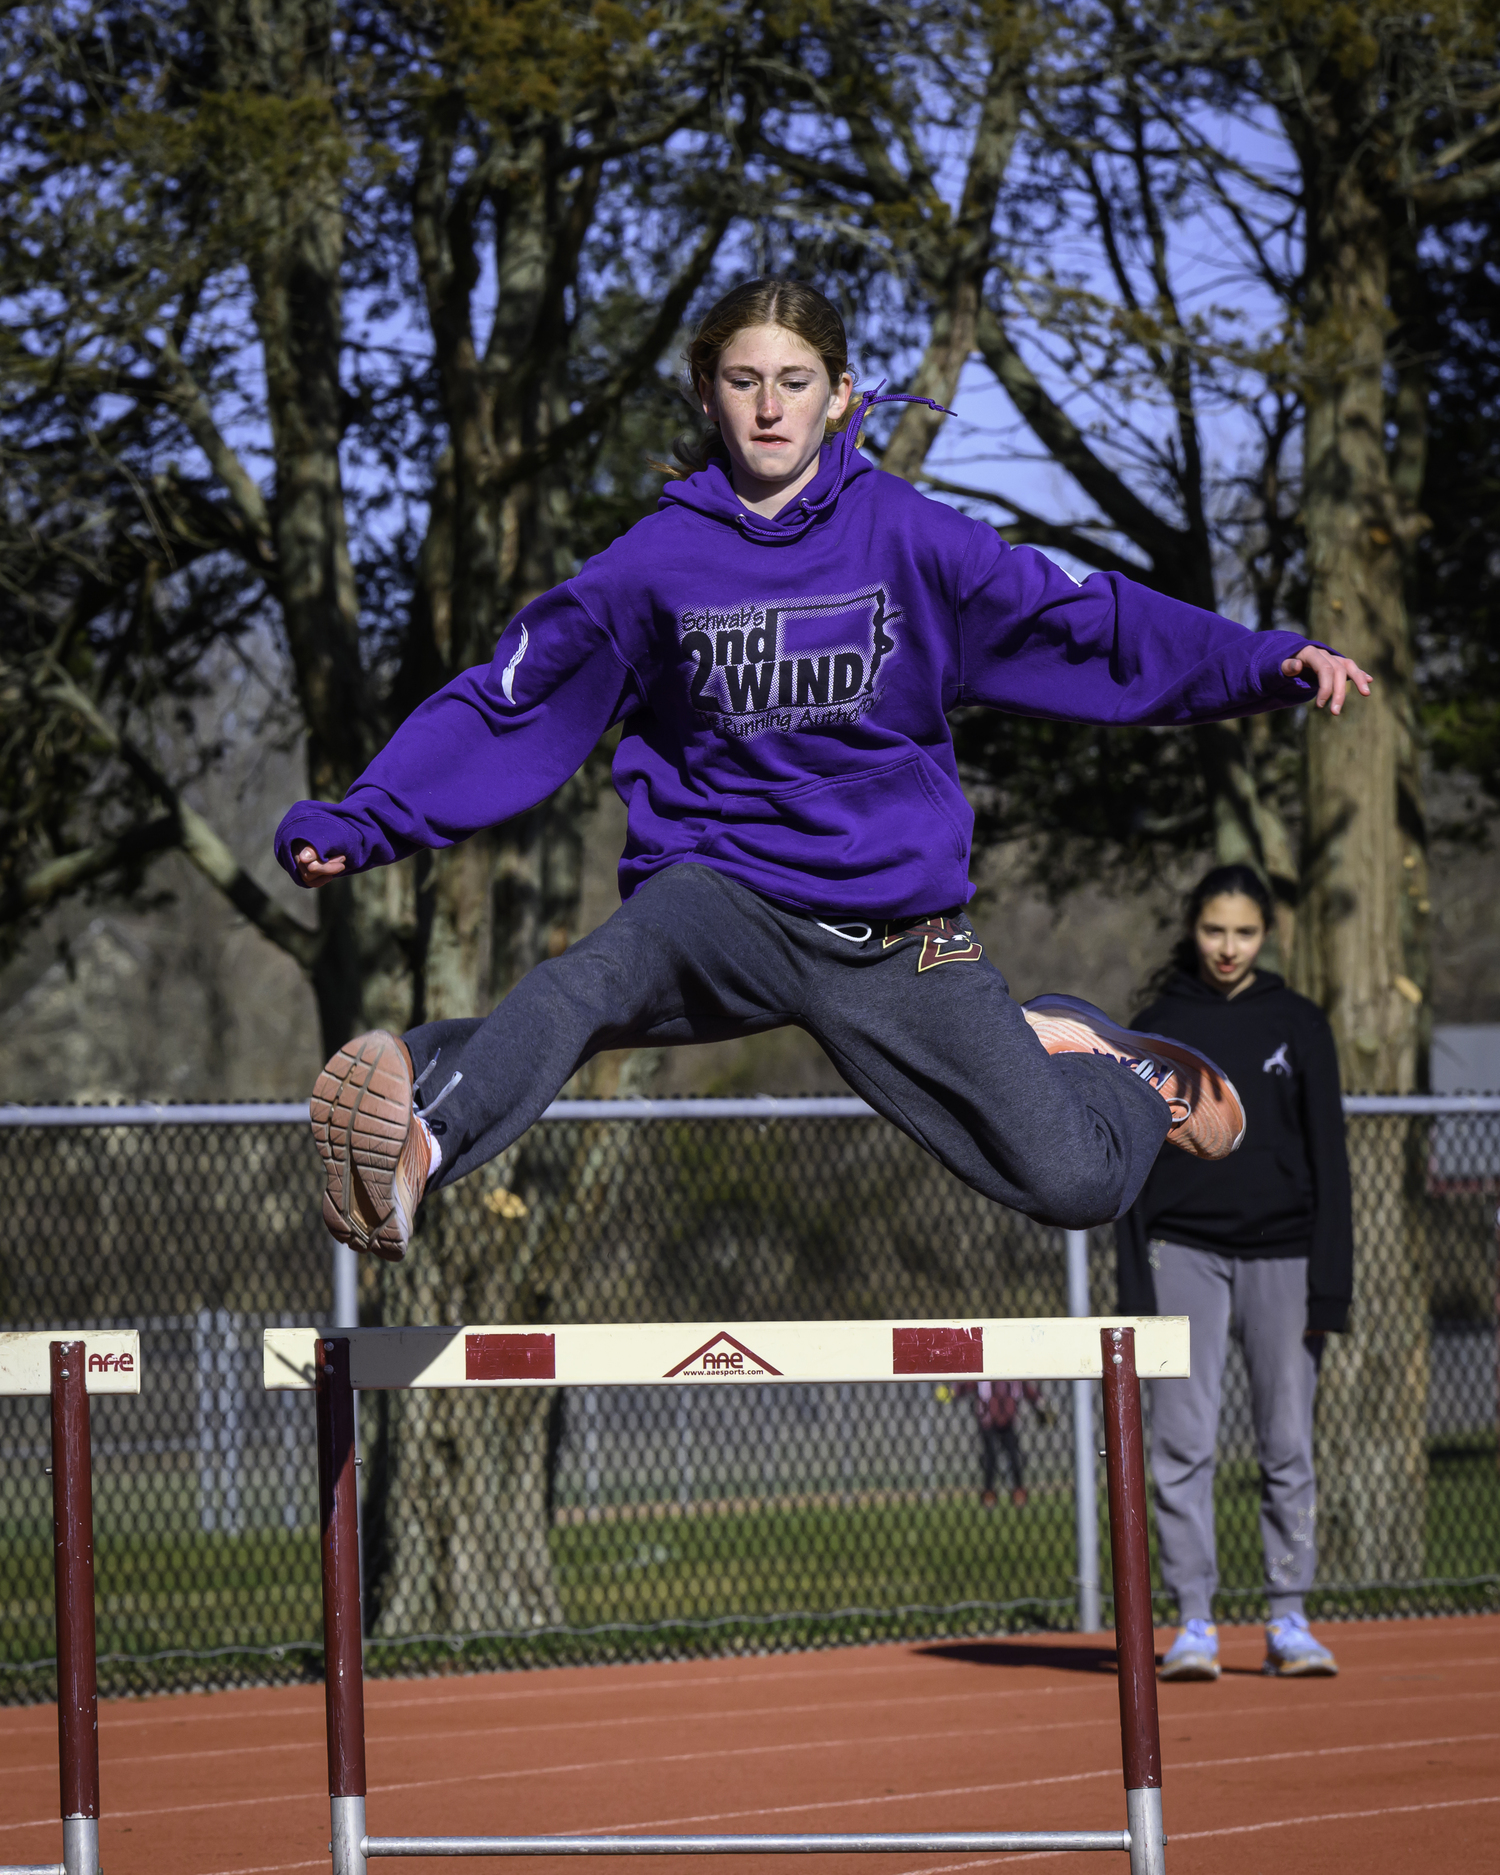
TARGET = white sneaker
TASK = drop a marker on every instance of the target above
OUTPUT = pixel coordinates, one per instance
(1194, 1655)
(1293, 1653)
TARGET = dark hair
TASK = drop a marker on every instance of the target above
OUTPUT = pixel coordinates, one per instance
(1244, 880)
(767, 301)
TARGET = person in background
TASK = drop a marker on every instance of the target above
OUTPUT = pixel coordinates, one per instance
(1259, 1246)
(997, 1405)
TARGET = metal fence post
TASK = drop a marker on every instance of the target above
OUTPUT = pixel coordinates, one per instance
(344, 1312)
(1085, 1488)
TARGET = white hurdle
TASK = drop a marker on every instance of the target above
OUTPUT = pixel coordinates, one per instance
(69, 1366)
(1117, 1350)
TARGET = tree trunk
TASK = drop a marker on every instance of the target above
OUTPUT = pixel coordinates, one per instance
(1362, 821)
(459, 1507)
(954, 283)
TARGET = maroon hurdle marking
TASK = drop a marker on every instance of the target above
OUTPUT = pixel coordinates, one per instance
(1135, 1636)
(73, 1574)
(510, 1357)
(338, 1507)
(937, 1350)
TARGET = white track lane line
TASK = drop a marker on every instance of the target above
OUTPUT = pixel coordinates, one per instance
(740, 1714)
(315, 1719)
(1009, 1861)
(1201, 1835)
(851, 1802)
(170, 1713)
(1108, 1719)
(1067, 1777)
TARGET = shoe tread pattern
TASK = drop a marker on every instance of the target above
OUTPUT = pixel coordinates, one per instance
(361, 1111)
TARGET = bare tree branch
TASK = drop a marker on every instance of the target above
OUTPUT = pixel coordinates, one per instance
(958, 293)
(69, 871)
(203, 846)
(186, 395)
(1476, 185)
(1064, 441)
(1030, 530)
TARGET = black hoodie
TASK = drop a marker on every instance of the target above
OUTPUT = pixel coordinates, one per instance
(1285, 1193)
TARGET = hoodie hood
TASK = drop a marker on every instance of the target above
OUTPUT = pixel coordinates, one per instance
(1194, 989)
(711, 492)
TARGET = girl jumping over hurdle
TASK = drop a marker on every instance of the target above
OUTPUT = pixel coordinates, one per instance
(781, 642)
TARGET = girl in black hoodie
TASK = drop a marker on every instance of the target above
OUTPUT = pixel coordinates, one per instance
(1258, 1245)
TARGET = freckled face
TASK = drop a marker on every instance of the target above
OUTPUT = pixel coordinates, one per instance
(1229, 934)
(771, 399)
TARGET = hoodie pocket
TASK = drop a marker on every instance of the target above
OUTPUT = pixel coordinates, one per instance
(884, 820)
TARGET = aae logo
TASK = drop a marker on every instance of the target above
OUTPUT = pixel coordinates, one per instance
(722, 1358)
(111, 1363)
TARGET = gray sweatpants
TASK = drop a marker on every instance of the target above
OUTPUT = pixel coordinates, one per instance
(914, 1016)
(1263, 1302)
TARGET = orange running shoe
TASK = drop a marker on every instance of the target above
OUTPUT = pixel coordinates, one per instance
(1208, 1119)
(374, 1150)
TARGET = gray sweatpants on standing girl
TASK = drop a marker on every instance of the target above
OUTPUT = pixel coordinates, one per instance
(1263, 1303)
(912, 1013)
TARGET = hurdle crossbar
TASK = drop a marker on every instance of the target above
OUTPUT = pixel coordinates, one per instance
(70, 1366)
(1114, 1350)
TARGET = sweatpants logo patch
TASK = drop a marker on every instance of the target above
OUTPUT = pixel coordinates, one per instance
(944, 941)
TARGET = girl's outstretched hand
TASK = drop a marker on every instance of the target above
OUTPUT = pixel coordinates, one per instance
(314, 871)
(1334, 675)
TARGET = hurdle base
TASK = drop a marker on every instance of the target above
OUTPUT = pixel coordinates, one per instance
(347, 1835)
(32, 1868)
(1148, 1845)
(981, 1842)
(81, 1845)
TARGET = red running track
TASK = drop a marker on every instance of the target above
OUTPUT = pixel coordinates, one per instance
(1395, 1764)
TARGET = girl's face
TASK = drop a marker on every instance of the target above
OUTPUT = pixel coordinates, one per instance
(771, 399)
(1229, 934)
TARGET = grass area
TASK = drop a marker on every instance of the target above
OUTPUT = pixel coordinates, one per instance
(764, 1560)
(749, 1576)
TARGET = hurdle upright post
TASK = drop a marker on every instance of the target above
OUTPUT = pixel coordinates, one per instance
(1135, 1637)
(343, 1628)
(73, 1576)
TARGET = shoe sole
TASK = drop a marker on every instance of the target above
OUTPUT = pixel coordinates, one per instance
(1195, 1668)
(1215, 1123)
(1301, 1669)
(361, 1112)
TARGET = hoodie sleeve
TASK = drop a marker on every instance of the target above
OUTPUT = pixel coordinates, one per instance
(1330, 1263)
(496, 741)
(1037, 643)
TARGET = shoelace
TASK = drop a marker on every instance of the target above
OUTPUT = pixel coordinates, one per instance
(432, 1105)
(1156, 1073)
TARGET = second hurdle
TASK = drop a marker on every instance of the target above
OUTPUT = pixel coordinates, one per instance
(1117, 1350)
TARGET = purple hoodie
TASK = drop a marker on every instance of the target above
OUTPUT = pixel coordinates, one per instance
(783, 687)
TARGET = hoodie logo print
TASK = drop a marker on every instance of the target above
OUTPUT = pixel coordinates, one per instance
(508, 679)
(1279, 1063)
(789, 664)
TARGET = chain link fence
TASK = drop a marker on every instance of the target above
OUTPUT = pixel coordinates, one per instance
(592, 1524)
